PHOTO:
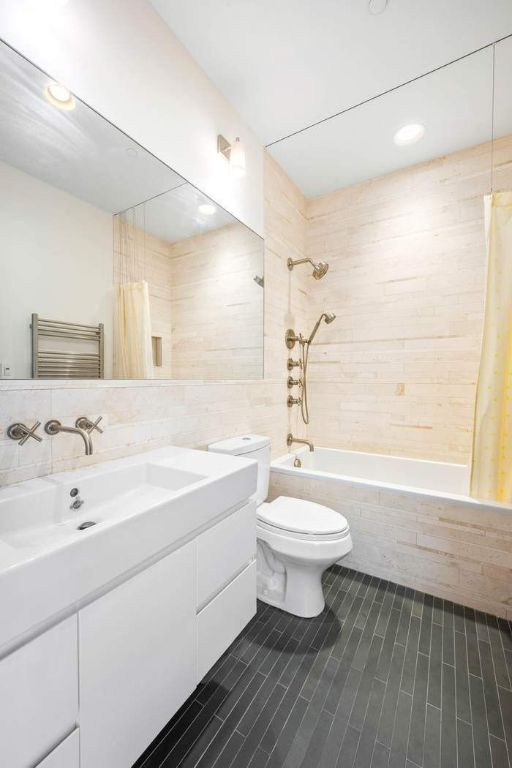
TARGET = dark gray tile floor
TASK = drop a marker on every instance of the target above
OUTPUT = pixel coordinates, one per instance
(385, 676)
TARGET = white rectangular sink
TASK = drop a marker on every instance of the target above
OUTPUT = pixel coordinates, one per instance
(139, 506)
(42, 520)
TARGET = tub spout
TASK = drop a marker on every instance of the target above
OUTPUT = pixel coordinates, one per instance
(290, 439)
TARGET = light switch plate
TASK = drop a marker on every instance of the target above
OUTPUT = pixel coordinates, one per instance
(6, 371)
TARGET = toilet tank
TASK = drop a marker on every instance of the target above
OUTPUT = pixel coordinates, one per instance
(255, 447)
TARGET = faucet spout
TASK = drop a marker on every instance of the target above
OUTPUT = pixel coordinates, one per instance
(53, 427)
(290, 439)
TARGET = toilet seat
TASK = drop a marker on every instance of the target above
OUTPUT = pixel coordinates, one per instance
(301, 519)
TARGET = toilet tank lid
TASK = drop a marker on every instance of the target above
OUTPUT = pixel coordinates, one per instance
(240, 445)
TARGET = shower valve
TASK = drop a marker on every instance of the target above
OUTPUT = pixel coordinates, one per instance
(291, 364)
(293, 401)
(294, 382)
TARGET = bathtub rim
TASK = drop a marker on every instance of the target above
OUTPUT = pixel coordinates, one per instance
(279, 467)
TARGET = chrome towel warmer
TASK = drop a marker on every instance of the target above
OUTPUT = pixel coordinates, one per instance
(64, 363)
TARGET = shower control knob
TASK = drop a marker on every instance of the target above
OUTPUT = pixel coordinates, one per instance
(291, 364)
(293, 382)
(293, 401)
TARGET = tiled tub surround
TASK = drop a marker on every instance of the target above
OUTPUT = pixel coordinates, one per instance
(396, 372)
(384, 677)
(438, 541)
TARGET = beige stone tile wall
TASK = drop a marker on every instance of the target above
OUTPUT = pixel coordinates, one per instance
(136, 417)
(450, 549)
(396, 373)
(217, 306)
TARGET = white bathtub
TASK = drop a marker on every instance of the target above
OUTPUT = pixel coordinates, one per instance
(413, 475)
(412, 522)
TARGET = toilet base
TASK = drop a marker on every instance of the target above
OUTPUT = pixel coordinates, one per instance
(294, 587)
(301, 595)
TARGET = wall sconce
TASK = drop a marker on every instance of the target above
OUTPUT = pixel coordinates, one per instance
(235, 153)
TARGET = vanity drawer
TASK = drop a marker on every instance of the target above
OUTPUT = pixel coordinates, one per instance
(224, 618)
(224, 550)
(38, 695)
(66, 755)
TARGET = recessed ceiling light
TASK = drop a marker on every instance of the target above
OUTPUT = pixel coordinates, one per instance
(60, 96)
(409, 134)
(207, 209)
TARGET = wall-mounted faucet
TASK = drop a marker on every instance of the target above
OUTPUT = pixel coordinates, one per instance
(53, 427)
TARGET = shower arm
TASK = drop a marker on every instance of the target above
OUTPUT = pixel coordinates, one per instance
(291, 263)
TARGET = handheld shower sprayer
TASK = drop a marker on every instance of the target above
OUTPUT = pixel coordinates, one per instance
(291, 338)
(327, 317)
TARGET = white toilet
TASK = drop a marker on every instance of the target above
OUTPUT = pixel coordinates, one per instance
(297, 539)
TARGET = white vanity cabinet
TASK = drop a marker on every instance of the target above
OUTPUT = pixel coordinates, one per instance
(38, 695)
(66, 755)
(94, 690)
(226, 584)
(137, 660)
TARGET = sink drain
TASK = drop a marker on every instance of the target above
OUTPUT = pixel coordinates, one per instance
(85, 525)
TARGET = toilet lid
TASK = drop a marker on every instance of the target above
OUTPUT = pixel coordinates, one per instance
(300, 516)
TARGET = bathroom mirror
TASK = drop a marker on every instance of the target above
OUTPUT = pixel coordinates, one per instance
(112, 265)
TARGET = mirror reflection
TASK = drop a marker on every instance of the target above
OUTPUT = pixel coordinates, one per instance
(112, 265)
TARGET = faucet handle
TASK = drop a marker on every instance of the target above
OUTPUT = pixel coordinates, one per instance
(21, 433)
(87, 425)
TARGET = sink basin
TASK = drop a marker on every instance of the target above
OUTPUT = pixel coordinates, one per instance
(45, 516)
(142, 507)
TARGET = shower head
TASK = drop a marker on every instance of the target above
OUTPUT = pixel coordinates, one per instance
(327, 317)
(319, 267)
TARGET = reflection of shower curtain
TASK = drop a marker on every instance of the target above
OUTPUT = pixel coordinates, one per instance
(132, 339)
(491, 476)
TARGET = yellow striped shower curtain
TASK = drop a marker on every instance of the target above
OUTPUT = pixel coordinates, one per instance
(491, 475)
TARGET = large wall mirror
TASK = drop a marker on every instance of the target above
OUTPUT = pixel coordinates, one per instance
(112, 265)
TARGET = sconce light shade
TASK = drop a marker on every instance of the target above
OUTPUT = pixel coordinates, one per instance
(235, 153)
(237, 159)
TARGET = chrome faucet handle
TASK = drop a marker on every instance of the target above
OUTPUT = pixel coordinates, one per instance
(21, 433)
(87, 425)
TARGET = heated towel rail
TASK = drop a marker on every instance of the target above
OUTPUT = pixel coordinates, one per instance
(81, 355)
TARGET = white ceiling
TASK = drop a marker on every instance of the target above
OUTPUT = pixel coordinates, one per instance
(285, 64)
(454, 105)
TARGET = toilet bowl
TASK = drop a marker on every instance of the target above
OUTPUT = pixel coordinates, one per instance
(297, 540)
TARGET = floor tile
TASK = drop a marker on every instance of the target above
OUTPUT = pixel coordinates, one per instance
(385, 677)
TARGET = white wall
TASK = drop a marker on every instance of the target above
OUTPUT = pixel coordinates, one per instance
(121, 58)
(56, 259)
